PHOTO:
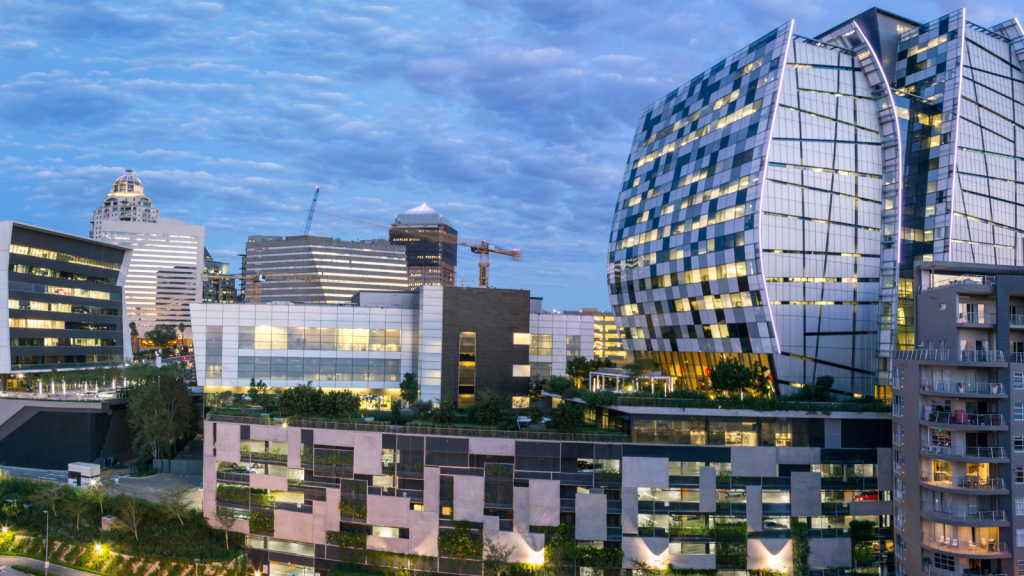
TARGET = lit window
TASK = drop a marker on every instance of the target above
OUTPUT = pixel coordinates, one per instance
(519, 339)
(520, 370)
(1018, 474)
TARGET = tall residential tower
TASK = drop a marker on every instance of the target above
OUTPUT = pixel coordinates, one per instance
(431, 263)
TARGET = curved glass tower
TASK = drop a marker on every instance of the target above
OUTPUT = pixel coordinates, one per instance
(772, 207)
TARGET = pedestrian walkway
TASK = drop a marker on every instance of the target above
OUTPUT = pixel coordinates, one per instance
(33, 563)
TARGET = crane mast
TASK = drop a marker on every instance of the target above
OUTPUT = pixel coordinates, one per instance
(312, 209)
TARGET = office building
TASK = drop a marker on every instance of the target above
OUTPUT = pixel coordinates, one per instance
(126, 202)
(656, 496)
(607, 336)
(320, 269)
(958, 423)
(457, 341)
(166, 275)
(217, 289)
(773, 206)
(431, 262)
(65, 302)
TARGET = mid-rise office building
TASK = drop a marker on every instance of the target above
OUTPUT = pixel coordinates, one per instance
(457, 341)
(688, 489)
(320, 269)
(431, 262)
(958, 423)
(773, 207)
(65, 297)
(217, 289)
(607, 335)
(166, 275)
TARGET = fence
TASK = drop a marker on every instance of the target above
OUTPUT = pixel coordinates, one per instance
(187, 467)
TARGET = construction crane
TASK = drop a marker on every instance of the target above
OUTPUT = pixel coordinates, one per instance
(254, 289)
(480, 247)
(312, 209)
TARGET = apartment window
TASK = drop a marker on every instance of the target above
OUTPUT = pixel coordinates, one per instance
(897, 406)
(899, 486)
(1018, 410)
(1020, 538)
(1020, 567)
(1018, 474)
(941, 437)
(467, 369)
(1018, 443)
(520, 370)
(944, 562)
(541, 344)
(1018, 506)
(1018, 380)
(519, 339)
(901, 517)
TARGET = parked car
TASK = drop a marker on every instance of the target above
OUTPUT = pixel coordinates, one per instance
(868, 496)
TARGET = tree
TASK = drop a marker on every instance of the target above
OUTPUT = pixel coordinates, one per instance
(159, 412)
(175, 501)
(181, 330)
(731, 378)
(862, 533)
(225, 519)
(444, 414)
(259, 393)
(76, 508)
(48, 497)
(422, 409)
(162, 335)
(300, 400)
(396, 413)
(410, 390)
(601, 362)
(129, 516)
(641, 368)
(578, 369)
(134, 329)
(349, 403)
(490, 407)
(536, 414)
(496, 558)
(536, 389)
(100, 491)
(567, 416)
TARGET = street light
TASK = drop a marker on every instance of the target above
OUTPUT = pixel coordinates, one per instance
(197, 566)
(46, 563)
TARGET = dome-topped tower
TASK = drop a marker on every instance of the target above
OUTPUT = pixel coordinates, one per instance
(126, 202)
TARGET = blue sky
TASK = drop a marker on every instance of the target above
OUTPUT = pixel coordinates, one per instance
(511, 117)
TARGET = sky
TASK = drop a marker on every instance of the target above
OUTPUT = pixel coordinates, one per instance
(513, 118)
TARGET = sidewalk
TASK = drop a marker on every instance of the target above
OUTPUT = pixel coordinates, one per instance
(33, 563)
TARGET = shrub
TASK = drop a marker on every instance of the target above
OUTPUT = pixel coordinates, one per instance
(445, 414)
(422, 409)
(567, 416)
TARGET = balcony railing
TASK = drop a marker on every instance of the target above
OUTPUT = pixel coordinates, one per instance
(1017, 357)
(958, 417)
(965, 279)
(1016, 319)
(962, 387)
(982, 453)
(966, 547)
(965, 482)
(968, 515)
(976, 318)
(947, 355)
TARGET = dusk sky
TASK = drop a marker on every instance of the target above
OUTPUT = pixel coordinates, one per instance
(512, 118)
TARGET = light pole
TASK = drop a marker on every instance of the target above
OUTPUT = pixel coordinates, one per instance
(46, 563)
(197, 566)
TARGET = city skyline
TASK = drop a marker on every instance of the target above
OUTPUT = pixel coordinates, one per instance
(509, 118)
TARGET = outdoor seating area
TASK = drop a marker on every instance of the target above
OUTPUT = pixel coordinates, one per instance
(621, 381)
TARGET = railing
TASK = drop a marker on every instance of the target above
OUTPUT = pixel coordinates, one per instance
(962, 387)
(422, 430)
(943, 417)
(614, 533)
(103, 395)
(773, 405)
(965, 547)
(969, 515)
(966, 482)
(233, 477)
(835, 509)
(1017, 357)
(505, 525)
(976, 318)
(828, 533)
(965, 279)
(268, 457)
(947, 355)
(980, 452)
(1016, 319)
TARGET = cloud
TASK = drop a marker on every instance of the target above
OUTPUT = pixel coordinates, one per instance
(18, 50)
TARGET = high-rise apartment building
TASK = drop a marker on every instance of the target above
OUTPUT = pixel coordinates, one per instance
(167, 262)
(336, 269)
(431, 263)
(773, 207)
(65, 307)
(217, 289)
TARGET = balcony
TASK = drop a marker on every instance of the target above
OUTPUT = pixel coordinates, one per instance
(961, 418)
(953, 546)
(1017, 357)
(988, 318)
(947, 355)
(969, 279)
(964, 483)
(1017, 320)
(969, 517)
(978, 453)
(937, 387)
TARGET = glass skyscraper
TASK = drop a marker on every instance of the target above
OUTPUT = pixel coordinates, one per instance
(773, 206)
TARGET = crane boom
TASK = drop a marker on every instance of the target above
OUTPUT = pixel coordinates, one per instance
(312, 209)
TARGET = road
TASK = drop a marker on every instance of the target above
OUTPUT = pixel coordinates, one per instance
(147, 487)
(33, 563)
